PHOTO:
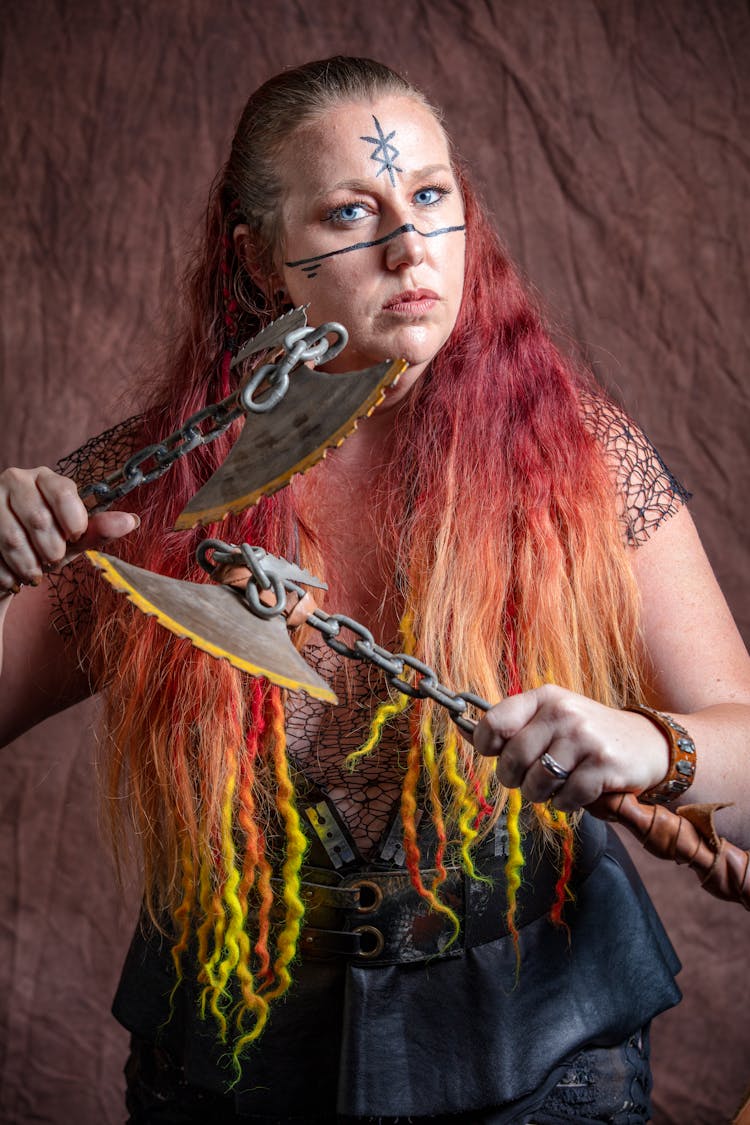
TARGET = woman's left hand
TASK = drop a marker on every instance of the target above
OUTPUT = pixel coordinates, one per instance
(603, 750)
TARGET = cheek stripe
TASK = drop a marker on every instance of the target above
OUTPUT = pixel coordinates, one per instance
(407, 228)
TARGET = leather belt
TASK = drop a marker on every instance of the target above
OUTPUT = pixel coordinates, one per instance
(377, 917)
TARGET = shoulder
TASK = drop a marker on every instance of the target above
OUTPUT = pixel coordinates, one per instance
(649, 493)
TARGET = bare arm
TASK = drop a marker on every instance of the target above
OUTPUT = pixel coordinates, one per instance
(700, 668)
(42, 522)
(41, 672)
(699, 672)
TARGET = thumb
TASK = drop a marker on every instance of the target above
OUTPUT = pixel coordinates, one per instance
(102, 528)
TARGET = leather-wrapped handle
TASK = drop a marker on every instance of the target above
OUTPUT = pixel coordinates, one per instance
(685, 835)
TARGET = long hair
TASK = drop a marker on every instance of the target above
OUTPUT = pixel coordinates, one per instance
(511, 569)
(511, 547)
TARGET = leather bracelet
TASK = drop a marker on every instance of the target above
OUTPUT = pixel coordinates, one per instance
(681, 772)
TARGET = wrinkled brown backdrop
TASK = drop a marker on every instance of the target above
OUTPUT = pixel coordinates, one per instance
(611, 141)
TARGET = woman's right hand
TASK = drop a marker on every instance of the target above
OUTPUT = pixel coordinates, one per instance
(44, 523)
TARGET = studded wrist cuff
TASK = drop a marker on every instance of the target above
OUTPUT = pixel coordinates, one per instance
(681, 772)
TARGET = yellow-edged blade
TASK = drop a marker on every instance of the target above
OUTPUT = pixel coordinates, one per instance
(215, 619)
(317, 413)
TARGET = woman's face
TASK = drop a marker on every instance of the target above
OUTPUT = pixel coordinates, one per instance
(372, 227)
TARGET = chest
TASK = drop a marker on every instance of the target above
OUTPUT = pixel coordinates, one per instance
(355, 529)
(320, 738)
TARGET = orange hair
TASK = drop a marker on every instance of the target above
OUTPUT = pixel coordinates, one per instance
(511, 564)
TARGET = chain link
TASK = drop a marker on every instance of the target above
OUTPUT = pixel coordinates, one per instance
(302, 345)
(425, 684)
(265, 573)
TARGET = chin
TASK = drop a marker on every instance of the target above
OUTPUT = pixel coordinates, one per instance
(417, 347)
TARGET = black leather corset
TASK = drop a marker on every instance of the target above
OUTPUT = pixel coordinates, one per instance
(386, 1018)
(369, 910)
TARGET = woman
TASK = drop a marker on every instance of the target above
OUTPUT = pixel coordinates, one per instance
(495, 516)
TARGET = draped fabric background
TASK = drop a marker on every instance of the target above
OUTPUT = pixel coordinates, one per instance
(611, 141)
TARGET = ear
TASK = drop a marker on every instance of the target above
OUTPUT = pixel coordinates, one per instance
(249, 255)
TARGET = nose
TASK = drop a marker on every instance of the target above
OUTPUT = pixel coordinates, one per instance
(406, 249)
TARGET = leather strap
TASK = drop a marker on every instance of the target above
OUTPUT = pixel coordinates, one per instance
(681, 771)
(684, 835)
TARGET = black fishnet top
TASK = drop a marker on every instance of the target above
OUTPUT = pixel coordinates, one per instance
(648, 492)
(319, 736)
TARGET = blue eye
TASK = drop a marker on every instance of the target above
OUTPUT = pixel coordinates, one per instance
(347, 213)
(427, 196)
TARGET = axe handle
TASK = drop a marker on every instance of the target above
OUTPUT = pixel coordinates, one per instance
(686, 836)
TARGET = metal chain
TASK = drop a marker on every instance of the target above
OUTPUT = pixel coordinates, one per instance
(394, 664)
(269, 572)
(303, 345)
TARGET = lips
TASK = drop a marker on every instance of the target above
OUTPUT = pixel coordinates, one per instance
(412, 300)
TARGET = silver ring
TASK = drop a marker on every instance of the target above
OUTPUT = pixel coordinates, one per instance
(552, 766)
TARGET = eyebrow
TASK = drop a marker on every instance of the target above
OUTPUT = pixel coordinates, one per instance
(365, 185)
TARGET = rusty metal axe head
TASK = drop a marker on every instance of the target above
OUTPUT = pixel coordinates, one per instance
(317, 413)
(215, 620)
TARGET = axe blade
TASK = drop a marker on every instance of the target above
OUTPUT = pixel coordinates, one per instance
(272, 336)
(215, 620)
(318, 411)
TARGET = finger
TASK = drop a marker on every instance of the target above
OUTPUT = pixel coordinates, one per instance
(583, 787)
(542, 782)
(16, 551)
(99, 532)
(9, 583)
(504, 720)
(517, 730)
(522, 752)
(24, 566)
(61, 496)
(33, 498)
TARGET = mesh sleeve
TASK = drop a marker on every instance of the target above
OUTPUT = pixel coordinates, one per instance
(74, 587)
(649, 492)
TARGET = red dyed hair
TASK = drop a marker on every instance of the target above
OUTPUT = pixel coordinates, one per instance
(497, 496)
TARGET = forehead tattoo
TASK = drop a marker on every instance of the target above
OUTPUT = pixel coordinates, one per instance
(385, 153)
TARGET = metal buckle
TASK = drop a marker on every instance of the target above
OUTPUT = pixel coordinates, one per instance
(375, 940)
(375, 891)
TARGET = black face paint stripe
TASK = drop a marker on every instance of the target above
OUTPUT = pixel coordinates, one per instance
(384, 152)
(407, 228)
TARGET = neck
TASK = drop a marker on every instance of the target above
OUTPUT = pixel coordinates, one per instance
(371, 445)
